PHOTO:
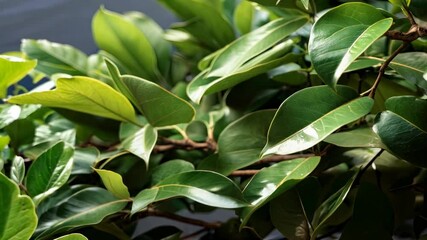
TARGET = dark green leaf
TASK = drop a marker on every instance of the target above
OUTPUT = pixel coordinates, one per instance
(170, 168)
(412, 66)
(21, 132)
(333, 47)
(84, 160)
(18, 218)
(273, 181)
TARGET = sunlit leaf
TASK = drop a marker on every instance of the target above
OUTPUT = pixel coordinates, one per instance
(333, 47)
(273, 181)
(359, 137)
(13, 69)
(82, 94)
(142, 142)
(18, 218)
(310, 115)
(114, 183)
(17, 171)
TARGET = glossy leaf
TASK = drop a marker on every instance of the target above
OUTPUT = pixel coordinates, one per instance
(401, 123)
(148, 96)
(359, 137)
(82, 94)
(170, 168)
(84, 160)
(273, 181)
(208, 188)
(86, 207)
(234, 154)
(72, 236)
(328, 207)
(333, 47)
(49, 171)
(13, 69)
(412, 66)
(310, 115)
(8, 114)
(142, 142)
(18, 218)
(17, 171)
(55, 58)
(117, 35)
(114, 183)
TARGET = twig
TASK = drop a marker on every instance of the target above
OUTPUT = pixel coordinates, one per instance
(241, 173)
(188, 144)
(192, 221)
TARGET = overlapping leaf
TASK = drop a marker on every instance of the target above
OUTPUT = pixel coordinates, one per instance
(49, 171)
(310, 115)
(359, 137)
(273, 181)
(114, 183)
(18, 218)
(55, 58)
(205, 187)
(412, 66)
(82, 94)
(333, 47)
(142, 142)
(13, 69)
(86, 207)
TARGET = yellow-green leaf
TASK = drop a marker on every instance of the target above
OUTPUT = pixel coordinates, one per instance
(13, 69)
(114, 183)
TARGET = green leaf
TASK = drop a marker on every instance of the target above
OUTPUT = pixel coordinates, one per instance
(341, 35)
(55, 58)
(359, 137)
(273, 181)
(373, 216)
(13, 69)
(170, 168)
(310, 115)
(403, 128)
(82, 94)
(148, 96)
(248, 16)
(17, 171)
(328, 207)
(18, 218)
(141, 143)
(72, 236)
(86, 207)
(412, 66)
(9, 114)
(84, 160)
(117, 35)
(208, 188)
(234, 154)
(114, 183)
(49, 171)
(21, 132)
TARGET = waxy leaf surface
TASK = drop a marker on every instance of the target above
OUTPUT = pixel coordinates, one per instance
(205, 187)
(341, 35)
(273, 181)
(82, 94)
(141, 143)
(18, 218)
(310, 115)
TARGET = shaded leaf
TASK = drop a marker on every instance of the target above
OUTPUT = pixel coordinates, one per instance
(114, 183)
(21, 132)
(86, 207)
(13, 69)
(412, 66)
(82, 94)
(205, 187)
(170, 168)
(141, 143)
(18, 218)
(310, 115)
(55, 58)
(273, 181)
(248, 16)
(359, 137)
(49, 171)
(84, 160)
(333, 47)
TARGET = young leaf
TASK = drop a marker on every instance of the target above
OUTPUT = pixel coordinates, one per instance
(72, 236)
(341, 35)
(148, 96)
(273, 181)
(49, 171)
(310, 115)
(400, 122)
(114, 183)
(82, 94)
(205, 187)
(86, 207)
(117, 35)
(18, 218)
(328, 207)
(141, 143)
(13, 69)
(55, 58)
(17, 171)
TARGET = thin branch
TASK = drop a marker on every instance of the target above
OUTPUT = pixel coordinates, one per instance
(187, 144)
(172, 216)
(242, 173)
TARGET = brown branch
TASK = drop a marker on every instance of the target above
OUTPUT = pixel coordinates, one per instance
(241, 173)
(172, 216)
(413, 34)
(187, 144)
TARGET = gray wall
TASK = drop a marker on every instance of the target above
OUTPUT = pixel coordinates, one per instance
(64, 21)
